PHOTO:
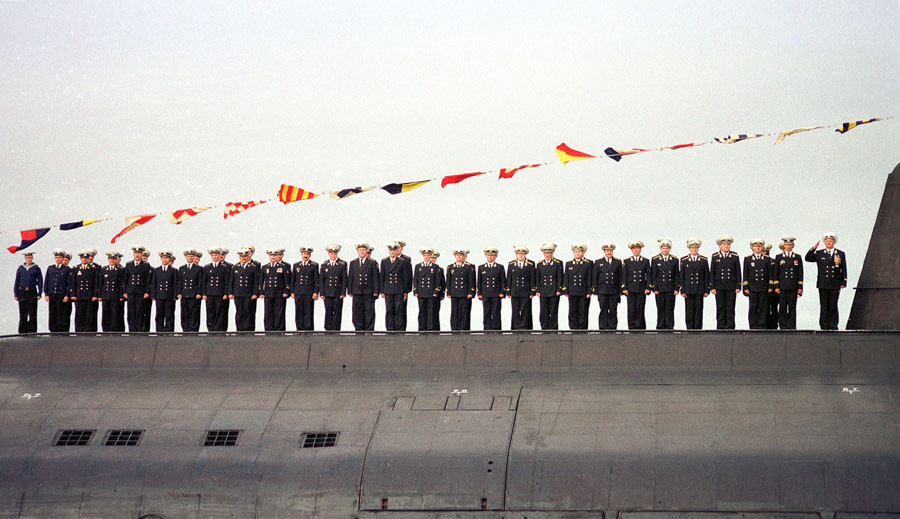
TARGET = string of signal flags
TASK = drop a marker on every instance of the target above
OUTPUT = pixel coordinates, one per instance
(288, 194)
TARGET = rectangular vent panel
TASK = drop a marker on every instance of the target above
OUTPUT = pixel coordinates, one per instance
(315, 440)
(223, 438)
(73, 437)
(123, 438)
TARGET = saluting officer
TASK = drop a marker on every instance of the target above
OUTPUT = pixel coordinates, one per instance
(788, 283)
(333, 286)
(137, 289)
(491, 287)
(216, 284)
(549, 287)
(636, 273)
(305, 289)
(190, 290)
(521, 285)
(245, 283)
(725, 278)
(609, 284)
(832, 265)
(694, 284)
(461, 288)
(363, 286)
(56, 288)
(772, 302)
(758, 283)
(664, 281)
(84, 289)
(112, 293)
(427, 281)
(275, 288)
(164, 290)
(396, 276)
(578, 284)
(27, 291)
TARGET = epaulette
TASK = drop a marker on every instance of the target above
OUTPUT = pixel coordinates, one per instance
(556, 260)
(685, 257)
(748, 255)
(702, 256)
(658, 256)
(467, 263)
(529, 262)
(512, 262)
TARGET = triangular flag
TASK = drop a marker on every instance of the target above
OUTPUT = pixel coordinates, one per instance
(28, 237)
(181, 215)
(679, 146)
(288, 194)
(76, 225)
(731, 139)
(846, 127)
(396, 189)
(785, 133)
(350, 191)
(233, 209)
(133, 222)
(567, 154)
(509, 172)
(617, 153)
(454, 179)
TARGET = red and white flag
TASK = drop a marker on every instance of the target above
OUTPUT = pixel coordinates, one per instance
(236, 208)
(181, 215)
(133, 222)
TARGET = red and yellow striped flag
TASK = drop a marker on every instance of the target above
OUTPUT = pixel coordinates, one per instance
(567, 154)
(288, 194)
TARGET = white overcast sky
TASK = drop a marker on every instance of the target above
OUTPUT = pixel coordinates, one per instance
(109, 109)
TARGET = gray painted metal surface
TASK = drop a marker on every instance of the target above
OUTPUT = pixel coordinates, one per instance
(603, 425)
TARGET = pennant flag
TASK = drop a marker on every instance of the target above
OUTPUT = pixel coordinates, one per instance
(396, 189)
(679, 146)
(731, 139)
(509, 172)
(132, 223)
(181, 215)
(235, 208)
(846, 127)
(350, 191)
(28, 237)
(785, 133)
(617, 153)
(75, 225)
(455, 179)
(567, 154)
(288, 194)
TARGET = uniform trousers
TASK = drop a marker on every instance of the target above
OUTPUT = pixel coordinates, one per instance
(393, 309)
(83, 321)
(491, 312)
(665, 310)
(521, 313)
(67, 317)
(165, 315)
(216, 314)
(578, 312)
(609, 311)
(304, 312)
(113, 319)
(693, 311)
(549, 314)
(190, 314)
(636, 302)
(135, 305)
(146, 307)
(828, 308)
(460, 313)
(57, 321)
(402, 315)
(245, 313)
(436, 319)
(334, 310)
(787, 310)
(273, 313)
(725, 300)
(363, 312)
(28, 312)
(772, 311)
(756, 314)
(427, 307)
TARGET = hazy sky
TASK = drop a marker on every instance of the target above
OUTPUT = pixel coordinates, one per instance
(110, 109)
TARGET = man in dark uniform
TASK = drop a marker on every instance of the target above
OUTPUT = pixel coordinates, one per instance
(27, 291)
(832, 266)
(694, 283)
(577, 285)
(549, 287)
(396, 275)
(427, 283)
(112, 293)
(362, 285)
(788, 283)
(436, 324)
(403, 312)
(190, 290)
(137, 289)
(245, 290)
(147, 304)
(67, 301)
(95, 322)
(772, 302)
(758, 283)
(164, 290)
(305, 289)
(216, 283)
(608, 285)
(636, 274)
(521, 285)
(725, 278)
(491, 286)
(333, 285)
(461, 288)
(84, 289)
(664, 280)
(56, 287)
(275, 288)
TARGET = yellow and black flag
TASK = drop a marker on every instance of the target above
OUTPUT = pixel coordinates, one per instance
(76, 225)
(846, 127)
(396, 189)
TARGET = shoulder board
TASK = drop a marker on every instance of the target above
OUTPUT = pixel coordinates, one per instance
(529, 262)
(467, 263)
(512, 262)
(658, 256)
(749, 256)
(557, 260)
(686, 256)
(702, 256)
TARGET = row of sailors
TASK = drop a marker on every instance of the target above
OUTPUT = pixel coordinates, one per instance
(772, 286)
